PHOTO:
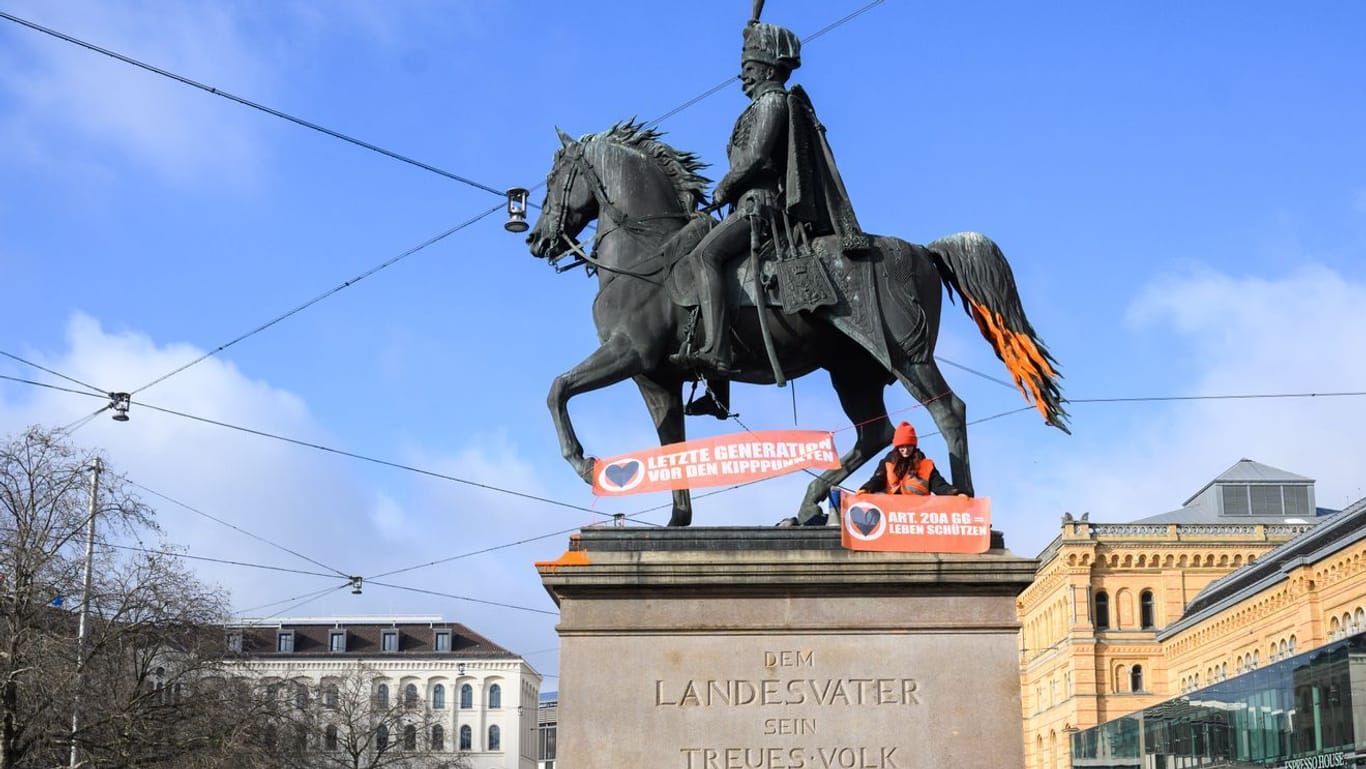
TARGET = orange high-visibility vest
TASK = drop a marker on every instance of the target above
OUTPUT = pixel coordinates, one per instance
(915, 482)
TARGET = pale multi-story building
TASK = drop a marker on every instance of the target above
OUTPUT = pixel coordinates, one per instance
(404, 684)
(1104, 592)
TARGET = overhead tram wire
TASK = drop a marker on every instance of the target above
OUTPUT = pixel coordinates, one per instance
(308, 596)
(58, 388)
(373, 460)
(345, 284)
(471, 554)
(239, 529)
(248, 103)
(721, 86)
(463, 598)
(57, 374)
(344, 137)
(187, 556)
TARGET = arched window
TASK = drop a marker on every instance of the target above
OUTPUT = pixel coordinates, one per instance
(1145, 610)
(410, 696)
(495, 697)
(381, 737)
(1292, 644)
(495, 738)
(1284, 649)
(1239, 669)
(330, 737)
(301, 696)
(467, 696)
(1256, 658)
(1102, 610)
(438, 737)
(466, 738)
(1333, 629)
(382, 696)
(1359, 620)
(410, 737)
(330, 695)
(1136, 678)
(438, 697)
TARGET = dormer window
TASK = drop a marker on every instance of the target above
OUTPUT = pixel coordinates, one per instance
(336, 641)
(284, 641)
(388, 640)
(441, 641)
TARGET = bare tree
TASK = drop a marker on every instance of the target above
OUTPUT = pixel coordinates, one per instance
(348, 722)
(153, 629)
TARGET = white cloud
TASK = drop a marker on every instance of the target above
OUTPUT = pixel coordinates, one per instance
(1299, 333)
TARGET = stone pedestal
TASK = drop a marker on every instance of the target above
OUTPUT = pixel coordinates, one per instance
(775, 648)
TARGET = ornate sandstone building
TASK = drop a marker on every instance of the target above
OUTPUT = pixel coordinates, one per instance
(1102, 632)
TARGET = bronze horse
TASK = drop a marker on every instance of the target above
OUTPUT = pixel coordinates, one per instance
(647, 197)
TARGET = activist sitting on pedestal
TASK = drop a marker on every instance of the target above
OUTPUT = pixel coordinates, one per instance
(906, 470)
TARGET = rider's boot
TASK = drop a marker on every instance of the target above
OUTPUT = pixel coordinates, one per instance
(714, 356)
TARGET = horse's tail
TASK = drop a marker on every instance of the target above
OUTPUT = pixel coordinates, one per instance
(971, 264)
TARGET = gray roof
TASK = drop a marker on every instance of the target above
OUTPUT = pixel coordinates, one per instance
(1334, 534)
(1249, 471)
(1204, 506)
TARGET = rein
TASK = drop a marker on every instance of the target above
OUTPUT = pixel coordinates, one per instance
(620, 219)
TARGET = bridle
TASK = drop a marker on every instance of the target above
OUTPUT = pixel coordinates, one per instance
(620, 220)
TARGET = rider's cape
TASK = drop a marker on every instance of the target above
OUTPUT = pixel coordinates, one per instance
(814, 190)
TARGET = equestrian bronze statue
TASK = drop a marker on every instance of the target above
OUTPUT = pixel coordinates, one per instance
(786, 283)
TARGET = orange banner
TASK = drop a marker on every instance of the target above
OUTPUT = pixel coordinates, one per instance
(719, 461)
(902, 523)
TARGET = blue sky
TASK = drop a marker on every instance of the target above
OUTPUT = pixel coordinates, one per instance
(1179, 188)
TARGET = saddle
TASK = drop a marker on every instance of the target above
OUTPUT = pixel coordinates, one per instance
(797, 279)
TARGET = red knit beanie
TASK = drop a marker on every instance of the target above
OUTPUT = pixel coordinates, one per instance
(904, 435)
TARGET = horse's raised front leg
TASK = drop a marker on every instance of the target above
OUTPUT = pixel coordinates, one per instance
(860, 391)
(926, 383)
(615, 361)
(665, 402)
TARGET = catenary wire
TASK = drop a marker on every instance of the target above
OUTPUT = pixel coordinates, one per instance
(311, 594)
(306, 599)
(83, 421)
(461, 226)
(57, 374)
(731, 80)
(373, 460)
(176, 554)
(462, 598)
(248, 103)
(58, 388)
(409, 252)
(472, 553)
(239, 529)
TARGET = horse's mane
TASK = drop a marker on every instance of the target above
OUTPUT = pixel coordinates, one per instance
(681, 167)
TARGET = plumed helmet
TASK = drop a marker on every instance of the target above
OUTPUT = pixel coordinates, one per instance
(771, 44)
(904, 435)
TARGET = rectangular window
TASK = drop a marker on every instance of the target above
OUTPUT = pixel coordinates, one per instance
(1235, 500)
(336, 641)
(388, 640)
(235, 641)
(442, 641)
(284, 641)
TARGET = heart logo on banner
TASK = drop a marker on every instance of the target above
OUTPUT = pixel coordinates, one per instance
(622, 474)
(865, 518)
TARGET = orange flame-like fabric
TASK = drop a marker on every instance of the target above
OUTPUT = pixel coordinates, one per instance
(1022, 357)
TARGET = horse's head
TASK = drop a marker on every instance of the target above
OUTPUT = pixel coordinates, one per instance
(570, 200)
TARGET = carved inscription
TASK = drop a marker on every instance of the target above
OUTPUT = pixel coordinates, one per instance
(790, 678)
